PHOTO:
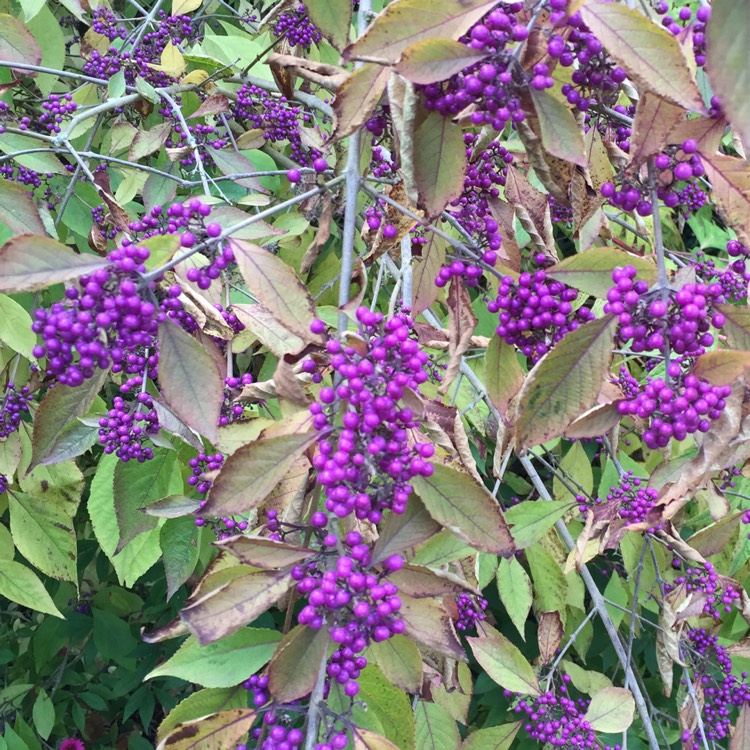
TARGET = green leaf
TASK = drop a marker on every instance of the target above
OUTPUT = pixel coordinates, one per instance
(652, 57)
(29, 262)
(403, 23)
(44, 535)
(101, 505)
(550, 585)
(435, 728)
(399, 660)
(202, 703)
(178, 540)
(225, 663)
(21, 585)
(20, 213)
(727, 41)
(251, 473)
(611, 710)
(60, 407)
(51, 39)
(116, 85)
(295, 665)
(235, 604)
(434, 60)
(137, 485)
(514, 587)
(7, 547)
(190, 379)
(561, 134)
(15, 325)
(390, 705)
(591, 271)
(439, 162)
(459, 503)
(577, 465)
(216, 732)
(503, 373)
(43, 714)
(41, 160)
(275, 285)
(268, 330)
(565, 382)
(493, 738)
(503, 662)
(17, 45)
(531, 520)
(333, 18)
(364, 739)
(585, 680)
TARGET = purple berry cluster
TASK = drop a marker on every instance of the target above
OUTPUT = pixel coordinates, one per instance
(648, 321)
(14, 404)
(686, 405)
(557, 720)
(128, 426)
(470, 611)
(103, 320)
(365, 464)
(631, 499)
(279, 119)
(297, 28)
(200, 466)
(230, 409)
(56, 108)
(683, 21)
(535, 312)
(723, 692)
(716, 593)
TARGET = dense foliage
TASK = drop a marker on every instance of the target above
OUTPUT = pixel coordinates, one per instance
(374, 377)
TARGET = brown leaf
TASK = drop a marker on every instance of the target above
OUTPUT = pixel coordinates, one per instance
(532, 210)
(730, 181)
(321, 235)
(328, 76)
(425, 269)
(213, 105)
(428, 622)
(288, 385)
(463, 321)
(549, 635)
(357, 97)
(655, 119)
(294, 667)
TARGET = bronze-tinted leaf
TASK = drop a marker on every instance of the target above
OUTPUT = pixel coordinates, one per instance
(434, 60)
(439, 162)
(655, 118)
(403, 23)
(722, 367)
(461, 325)
(17, 43)
(216, 732)
(401, 532)
(651, 56)
(549, 635)
(730, 182)
(561, 134)
(565, 382)
(428, 622)
(727, 42)
(29, 262)
(264, 553)
(424, 272)
(251, 472)
(333, 18)
(234, 604)
(20, 213)
(189, 379)
(461, 504)
(295, 666)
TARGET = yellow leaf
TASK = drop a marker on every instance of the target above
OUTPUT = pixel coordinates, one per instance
(194, 76)
(180, 7)
(172, 62)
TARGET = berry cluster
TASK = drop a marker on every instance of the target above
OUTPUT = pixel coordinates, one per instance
(683, 21)
(278, 118)
(101, 321)
(558, 720)
(128, 426)
(201, 465)
(470, 611)
(716, 594)
(15, 403)
(297, 28)
(535, 312)
(230, 409)
(492, 86)
(652, 320)
(361, 605)
(56, 108)
(721, 690)
(631, 499)
(686, 405)
(366, 463)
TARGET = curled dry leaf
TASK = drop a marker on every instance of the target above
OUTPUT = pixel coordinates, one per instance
(462, 322)
(330, 77)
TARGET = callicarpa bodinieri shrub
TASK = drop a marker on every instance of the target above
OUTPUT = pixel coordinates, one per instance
(374, 374)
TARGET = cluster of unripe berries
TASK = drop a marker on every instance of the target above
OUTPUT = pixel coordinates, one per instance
(535, 312)
(365, 464)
